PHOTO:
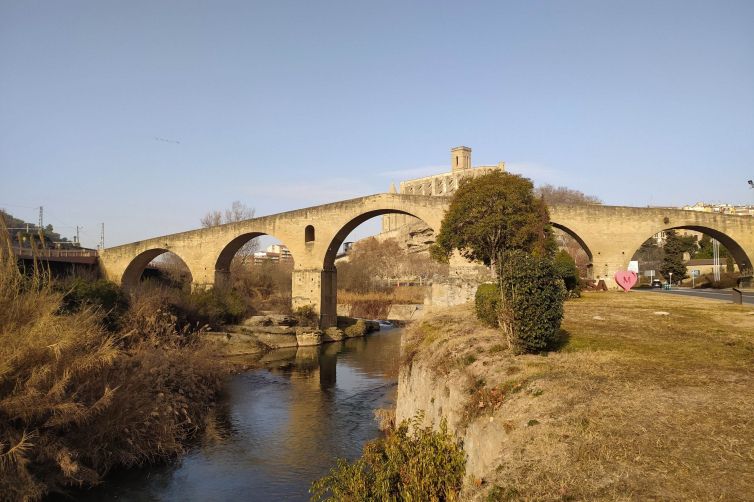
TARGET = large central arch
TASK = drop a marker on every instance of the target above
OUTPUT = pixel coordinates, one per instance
(329, 285)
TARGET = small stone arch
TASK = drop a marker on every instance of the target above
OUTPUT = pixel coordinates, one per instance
(309, 234)
(224, 259)
(132, 274)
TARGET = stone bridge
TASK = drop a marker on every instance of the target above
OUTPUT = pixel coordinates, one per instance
(609, 234)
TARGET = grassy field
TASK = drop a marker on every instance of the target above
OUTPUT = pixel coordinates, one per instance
(648, 397)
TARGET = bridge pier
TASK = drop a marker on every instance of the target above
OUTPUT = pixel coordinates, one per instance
(605, 267)
(316, 287)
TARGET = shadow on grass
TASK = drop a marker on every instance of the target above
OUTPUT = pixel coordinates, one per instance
(560, 341)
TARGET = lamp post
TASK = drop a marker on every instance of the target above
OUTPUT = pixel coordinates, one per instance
(671, 279)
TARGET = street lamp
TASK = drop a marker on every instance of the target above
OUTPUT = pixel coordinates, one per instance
(671, 278)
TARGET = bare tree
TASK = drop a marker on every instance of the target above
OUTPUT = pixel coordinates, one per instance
(212, 219)
(238, 211)
(564, 195)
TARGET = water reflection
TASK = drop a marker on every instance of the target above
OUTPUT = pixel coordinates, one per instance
(289, 422)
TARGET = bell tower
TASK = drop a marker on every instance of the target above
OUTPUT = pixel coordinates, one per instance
(460, 158)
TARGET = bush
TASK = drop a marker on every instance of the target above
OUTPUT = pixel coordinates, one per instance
(306, 315)
(213, 307)
(486, 302)
(531, 305)
(423, 464)
(565, 268)
(98, 294)
(359, 328)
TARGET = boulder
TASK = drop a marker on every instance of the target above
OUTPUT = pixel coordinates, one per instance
(306, 337)
(271, 320)
(333, 335)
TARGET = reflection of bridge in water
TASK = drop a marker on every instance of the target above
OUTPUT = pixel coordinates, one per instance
(332, 386)
(609, 235)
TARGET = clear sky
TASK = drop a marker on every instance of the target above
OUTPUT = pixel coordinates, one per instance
(146, 114)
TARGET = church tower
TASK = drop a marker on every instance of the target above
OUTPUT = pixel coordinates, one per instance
(460, 158)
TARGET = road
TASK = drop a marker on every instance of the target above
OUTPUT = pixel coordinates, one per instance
(722, 294)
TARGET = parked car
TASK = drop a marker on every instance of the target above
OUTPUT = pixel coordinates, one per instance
(656, 283)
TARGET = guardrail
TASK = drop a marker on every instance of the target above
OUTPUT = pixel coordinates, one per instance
(54, 253)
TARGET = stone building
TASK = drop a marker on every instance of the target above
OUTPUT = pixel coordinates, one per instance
(741, 210)
(411, 232)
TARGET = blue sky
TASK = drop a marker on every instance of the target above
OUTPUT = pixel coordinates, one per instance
(287, 104)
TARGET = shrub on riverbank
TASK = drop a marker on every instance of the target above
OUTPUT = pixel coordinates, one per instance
(77, 400)
(410, 463)
(211, 308)
(97, 293)
(486, 303)
(531, 302)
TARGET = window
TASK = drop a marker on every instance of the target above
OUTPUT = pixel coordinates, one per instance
(309, 234)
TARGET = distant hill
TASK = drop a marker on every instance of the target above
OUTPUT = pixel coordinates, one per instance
(24, 233)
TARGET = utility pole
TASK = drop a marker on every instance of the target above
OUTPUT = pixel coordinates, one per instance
(78, 237)
(102, 237)
(41, 219)
(716, 259)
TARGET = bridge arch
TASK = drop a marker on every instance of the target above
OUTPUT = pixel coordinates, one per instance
(575, 236)
(329, 281)
(229, 251)
(344, 231)
(134, 270)
(738, 253)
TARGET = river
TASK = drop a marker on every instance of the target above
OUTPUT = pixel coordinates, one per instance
(287, 424)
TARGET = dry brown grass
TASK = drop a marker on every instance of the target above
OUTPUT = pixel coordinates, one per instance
(636, 406)
(376, 304)
(76, 400)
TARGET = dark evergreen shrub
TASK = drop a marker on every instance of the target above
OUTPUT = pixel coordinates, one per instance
(565, 268)
(531, 301)
(102, 294)
(486, 302)
(213, 307)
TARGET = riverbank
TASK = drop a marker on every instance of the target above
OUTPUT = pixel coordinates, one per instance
(283, 422)
(647, 397)
(92, 381)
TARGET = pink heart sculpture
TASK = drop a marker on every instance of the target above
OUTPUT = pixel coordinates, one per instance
(626, 279)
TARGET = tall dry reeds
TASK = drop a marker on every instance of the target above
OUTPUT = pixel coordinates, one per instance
(77, 400)
(376, 304)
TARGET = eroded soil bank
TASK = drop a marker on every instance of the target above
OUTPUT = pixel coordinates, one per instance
(648, 397)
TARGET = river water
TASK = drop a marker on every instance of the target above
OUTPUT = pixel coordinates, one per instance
(287, 424)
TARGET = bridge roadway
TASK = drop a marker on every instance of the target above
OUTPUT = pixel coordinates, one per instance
(725, 295)
(80, 256)
(609, 234)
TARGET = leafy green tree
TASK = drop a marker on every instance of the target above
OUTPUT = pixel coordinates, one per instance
(705, 248)
(497, 219)
(493, 213)
(672, 262)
